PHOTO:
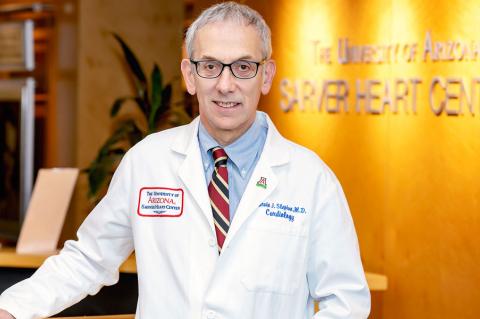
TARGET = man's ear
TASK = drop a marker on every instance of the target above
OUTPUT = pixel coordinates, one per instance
(269, 73)
(188, 76)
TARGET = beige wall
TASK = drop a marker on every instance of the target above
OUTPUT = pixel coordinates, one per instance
(153, 29)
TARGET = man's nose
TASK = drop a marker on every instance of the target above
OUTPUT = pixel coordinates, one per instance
(226, 80)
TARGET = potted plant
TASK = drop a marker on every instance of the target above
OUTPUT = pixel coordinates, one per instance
(153, 98)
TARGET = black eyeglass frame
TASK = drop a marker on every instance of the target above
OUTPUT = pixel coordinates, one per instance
(229, 66)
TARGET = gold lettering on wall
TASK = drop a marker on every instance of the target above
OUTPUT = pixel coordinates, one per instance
(451, 96)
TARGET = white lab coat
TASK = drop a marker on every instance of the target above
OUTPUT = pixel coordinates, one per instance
(271, 266)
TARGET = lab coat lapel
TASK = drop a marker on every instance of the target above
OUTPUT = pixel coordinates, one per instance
(191, 170)
(274, 154)
(252, 197)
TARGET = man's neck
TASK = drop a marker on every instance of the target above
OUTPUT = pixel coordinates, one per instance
(226, 137)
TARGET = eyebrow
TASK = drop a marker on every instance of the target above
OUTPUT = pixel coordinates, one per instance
(243, 57)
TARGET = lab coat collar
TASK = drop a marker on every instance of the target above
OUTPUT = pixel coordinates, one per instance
(186, 137)
(276, 147)
(191, 170)
(275, 153)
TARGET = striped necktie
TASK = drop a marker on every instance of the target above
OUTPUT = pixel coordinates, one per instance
(218, 191)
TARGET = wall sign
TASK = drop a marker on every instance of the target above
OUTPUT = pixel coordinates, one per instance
(450, 95)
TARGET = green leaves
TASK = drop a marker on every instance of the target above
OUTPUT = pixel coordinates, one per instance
(118, 104)
(156, 97)
(154, 107)
(101, 169)
(99, 172)
(137, 72)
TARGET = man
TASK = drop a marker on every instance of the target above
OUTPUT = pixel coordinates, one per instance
(227, 218)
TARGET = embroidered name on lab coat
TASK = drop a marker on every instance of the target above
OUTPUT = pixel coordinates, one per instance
(285, 211)
(160, 202)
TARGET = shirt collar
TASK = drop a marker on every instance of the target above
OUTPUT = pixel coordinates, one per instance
(243, 151)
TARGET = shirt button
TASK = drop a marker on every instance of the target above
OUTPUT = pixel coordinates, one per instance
(212, 242)
(211, 314)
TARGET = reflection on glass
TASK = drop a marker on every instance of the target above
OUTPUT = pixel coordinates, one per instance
(9, 160)
(16, 153)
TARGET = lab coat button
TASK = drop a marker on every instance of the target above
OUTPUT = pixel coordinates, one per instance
(212, 242)
(211, 314)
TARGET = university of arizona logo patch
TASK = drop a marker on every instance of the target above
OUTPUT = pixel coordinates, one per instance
(160, 202)
(262, 182)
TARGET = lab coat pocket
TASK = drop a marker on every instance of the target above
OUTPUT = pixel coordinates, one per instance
(277, 263)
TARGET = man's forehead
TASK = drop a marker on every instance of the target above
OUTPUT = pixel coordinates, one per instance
(227, 39)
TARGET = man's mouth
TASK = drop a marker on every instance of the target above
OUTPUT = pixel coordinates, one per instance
(226, 105)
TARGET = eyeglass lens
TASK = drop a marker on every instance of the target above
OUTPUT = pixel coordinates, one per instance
(240, 69)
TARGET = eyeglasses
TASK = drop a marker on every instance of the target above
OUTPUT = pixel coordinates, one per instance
(241, 69)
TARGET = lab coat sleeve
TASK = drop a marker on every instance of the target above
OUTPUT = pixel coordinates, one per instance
(335, 273)
(83, 266)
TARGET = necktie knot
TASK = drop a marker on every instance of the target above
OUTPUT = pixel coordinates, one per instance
(219, 157)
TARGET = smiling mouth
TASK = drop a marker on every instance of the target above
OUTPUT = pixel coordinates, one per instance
(226, 105)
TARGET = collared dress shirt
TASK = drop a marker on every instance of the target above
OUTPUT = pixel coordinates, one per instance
(243, 155)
